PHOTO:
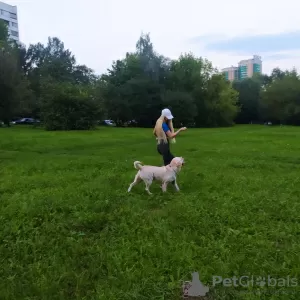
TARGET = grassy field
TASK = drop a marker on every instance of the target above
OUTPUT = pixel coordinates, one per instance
(70, 230)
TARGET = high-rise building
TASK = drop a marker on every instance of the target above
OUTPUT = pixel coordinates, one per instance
(246, 69)
(231, 73)
(9, 15)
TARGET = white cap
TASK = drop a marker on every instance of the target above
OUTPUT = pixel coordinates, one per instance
(167, 113)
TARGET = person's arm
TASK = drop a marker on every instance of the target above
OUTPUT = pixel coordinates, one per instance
(174, 134)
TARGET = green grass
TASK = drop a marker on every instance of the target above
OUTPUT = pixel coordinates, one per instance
(70, 230)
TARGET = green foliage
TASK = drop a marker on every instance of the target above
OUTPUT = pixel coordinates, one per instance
(138, 87)
(68, 107)
(14, 87)
(272, 98)
(141, 84)
(220, 101)
(4, 35)
(15, 93)
(248, 100)
(283, 99)
(182, 105)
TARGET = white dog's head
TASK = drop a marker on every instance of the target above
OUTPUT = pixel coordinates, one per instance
(177, 163)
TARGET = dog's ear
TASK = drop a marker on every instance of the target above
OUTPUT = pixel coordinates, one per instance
(174, 162)
(179, 162)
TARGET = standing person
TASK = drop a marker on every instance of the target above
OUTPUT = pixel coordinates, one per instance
(164, 133)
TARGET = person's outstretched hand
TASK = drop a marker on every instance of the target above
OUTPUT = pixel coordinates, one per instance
(183, 128)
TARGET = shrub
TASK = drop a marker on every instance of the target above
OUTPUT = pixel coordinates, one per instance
(68, 107)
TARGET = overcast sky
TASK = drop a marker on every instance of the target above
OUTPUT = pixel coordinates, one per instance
(224, 31)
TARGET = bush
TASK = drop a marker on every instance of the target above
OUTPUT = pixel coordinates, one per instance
(68, 107)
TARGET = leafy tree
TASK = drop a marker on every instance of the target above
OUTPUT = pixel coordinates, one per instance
(54, 60)
(221, 102)
(66, 106)
(4, 35)
(145, 100)
(133, 87)
(282, 99)
(144, 82)
(209, 100)
(14, 90)
(70, 96)
(15, 95)
(277, 74)
(183, 107)
(83, 75)
(186, 73)
(249, 91)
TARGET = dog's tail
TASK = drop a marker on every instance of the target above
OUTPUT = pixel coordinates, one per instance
(138, 165)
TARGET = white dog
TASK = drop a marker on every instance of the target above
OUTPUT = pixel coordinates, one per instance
(165, 174)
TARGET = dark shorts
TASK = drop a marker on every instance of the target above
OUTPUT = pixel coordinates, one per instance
(164, 150)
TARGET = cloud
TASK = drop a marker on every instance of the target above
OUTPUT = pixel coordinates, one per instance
(207, 38)
(277, 56)
(97, 33)
(246, 45)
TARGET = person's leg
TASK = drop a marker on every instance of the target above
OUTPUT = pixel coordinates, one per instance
(168, 156)
(159, 150)
(164, 150)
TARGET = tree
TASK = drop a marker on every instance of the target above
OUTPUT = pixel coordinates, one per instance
(70, 96)
(186, 73)
(55, 61)
(221, 102)
(185, 80)
(14, 90)
(4, 35)
(15, 94)
(282, 99)
(133, 87)
(208, 99)
(182, 106)
(277, 74)
(144, 82)
(151, 63)
(83, 75)
(249, 91)
(66, 106)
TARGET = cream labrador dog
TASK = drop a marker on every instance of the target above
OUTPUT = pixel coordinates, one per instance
(165, 174)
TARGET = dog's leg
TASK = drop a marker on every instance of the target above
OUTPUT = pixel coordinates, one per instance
(148, 183)
(164, 186)
(137, 179)
(176, 186)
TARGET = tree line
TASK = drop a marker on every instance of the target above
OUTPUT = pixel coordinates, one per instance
(45, 82)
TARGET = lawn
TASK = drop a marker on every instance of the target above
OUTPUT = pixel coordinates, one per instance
(70, 230)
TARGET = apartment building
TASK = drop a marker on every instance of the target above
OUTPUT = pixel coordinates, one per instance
(246, 69)
(231, 73)
(9, 15)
